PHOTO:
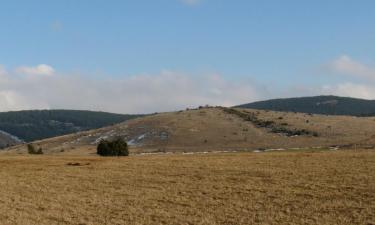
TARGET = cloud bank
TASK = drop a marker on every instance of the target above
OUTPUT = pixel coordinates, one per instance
(41, 69)
(41, 87)
(348, 66)
(364, 87)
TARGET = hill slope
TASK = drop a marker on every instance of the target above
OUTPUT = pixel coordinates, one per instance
(328, 105)
(221, 129)
(33, 125)
(7, 140)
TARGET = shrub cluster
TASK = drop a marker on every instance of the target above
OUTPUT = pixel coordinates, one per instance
(31, 150)
(117, 147)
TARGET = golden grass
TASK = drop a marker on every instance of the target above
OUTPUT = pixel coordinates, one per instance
(236, 188)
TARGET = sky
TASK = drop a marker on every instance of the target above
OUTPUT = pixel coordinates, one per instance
(144, 56)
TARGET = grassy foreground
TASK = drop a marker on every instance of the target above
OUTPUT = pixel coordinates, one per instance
(239, 188)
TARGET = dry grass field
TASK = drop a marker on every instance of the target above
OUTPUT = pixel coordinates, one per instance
(322, 187)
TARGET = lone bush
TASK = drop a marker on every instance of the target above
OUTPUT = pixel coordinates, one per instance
(31, 150)
(118, 147)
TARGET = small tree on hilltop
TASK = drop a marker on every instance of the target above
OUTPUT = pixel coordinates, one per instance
(118, 147)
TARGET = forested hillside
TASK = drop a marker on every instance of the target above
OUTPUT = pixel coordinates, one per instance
(327, 105)
(33, 125)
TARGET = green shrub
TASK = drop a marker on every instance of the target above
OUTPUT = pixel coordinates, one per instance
(31, 150)
(118, 147)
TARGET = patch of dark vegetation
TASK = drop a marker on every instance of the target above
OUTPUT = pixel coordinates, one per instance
(77, 164)
(326, 105)
(160, 150)
(354, 146)
(33, 151)
(270, 125)
(287, 132)
(31, 125)
(117, 147)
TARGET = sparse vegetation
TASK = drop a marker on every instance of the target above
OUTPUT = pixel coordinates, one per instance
(117, 147)
(269, 124)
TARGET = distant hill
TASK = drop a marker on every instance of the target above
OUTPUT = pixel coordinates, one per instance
(327, 105)
(219, 129)
(7, 140)
(33, 125)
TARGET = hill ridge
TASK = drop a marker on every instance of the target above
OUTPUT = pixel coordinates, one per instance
(219, 129)
(323, 104)
(31, 125)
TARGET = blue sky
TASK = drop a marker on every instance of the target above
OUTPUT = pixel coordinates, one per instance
(278, 48)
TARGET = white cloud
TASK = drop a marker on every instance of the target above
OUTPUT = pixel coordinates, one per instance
(362, 87)
(191, 2)
(364, 91)
(348, 66)
(136, 94)
(41, 69)
(165, 91)
(3, 71)
(344, 89)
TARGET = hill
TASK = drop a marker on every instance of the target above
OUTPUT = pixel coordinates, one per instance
(31, 125)
(7, 140)
(327, 105)
(221, 129)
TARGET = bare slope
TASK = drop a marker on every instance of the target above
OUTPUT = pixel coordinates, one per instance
(219, 129)
(8, 140)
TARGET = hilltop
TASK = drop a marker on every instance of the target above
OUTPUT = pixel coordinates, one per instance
(31, 125)
(327, 105)
(221, 129)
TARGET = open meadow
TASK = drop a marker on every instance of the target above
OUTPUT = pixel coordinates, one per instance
(309, 187)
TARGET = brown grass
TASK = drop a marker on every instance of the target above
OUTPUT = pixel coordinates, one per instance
(237, 188)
